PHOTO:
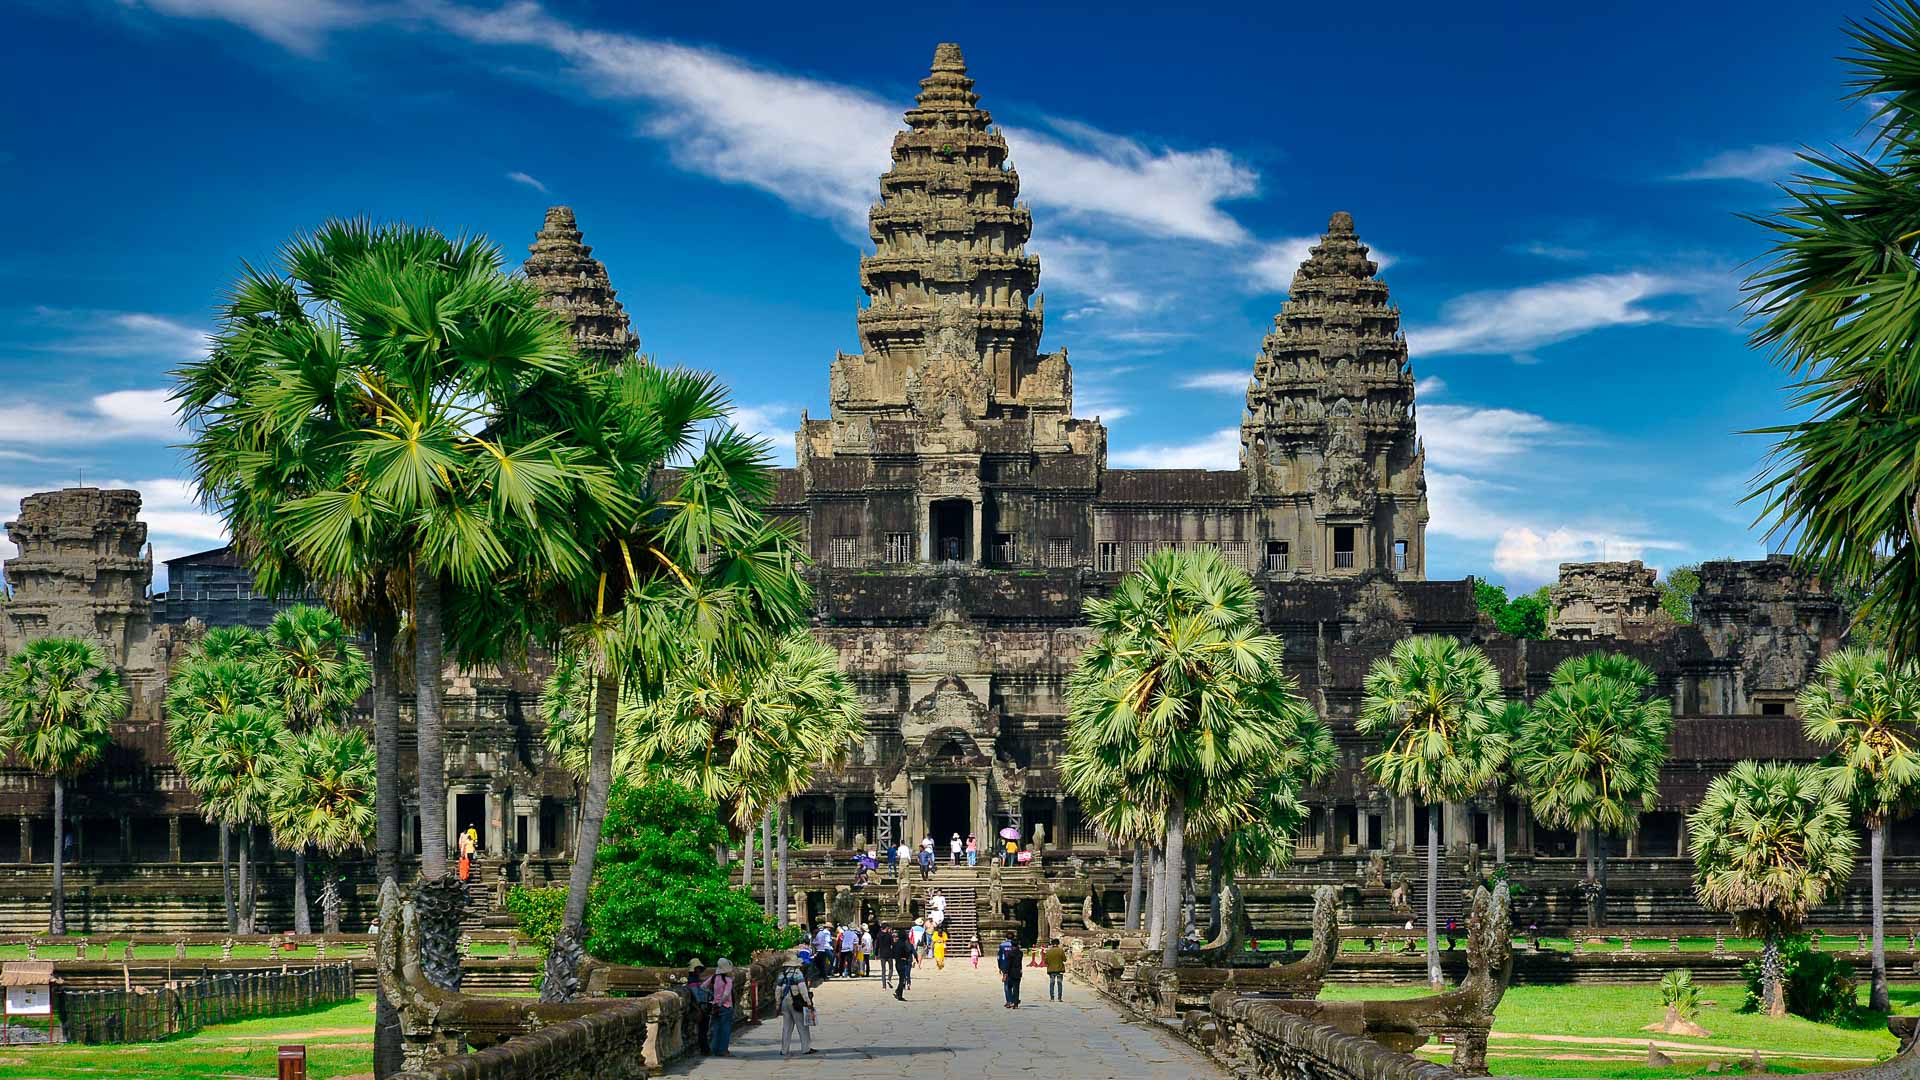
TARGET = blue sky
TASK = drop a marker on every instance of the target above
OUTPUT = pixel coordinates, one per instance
(1554, 195)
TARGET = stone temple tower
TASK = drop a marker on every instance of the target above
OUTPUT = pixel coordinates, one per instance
(575, 284)
(83, 571)
(952, 326)
(1328, 440)
(952, 443)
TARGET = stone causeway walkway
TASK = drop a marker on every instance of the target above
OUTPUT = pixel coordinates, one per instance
(952, 1027)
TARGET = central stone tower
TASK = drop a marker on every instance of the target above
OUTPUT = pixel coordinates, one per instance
(951, 442)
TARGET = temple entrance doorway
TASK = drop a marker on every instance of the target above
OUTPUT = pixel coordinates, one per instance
(470, 812)
(952, 528)
(949, 811)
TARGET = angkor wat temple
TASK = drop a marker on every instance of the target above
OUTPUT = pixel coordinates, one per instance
(959, 515)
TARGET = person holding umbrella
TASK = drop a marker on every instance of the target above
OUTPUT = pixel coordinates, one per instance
(1011, 836)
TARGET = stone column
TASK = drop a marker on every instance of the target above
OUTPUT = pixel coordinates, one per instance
(535, 842)
(1061, 841)
(1633, 841)
(916, 823)
(26, 839)
(982, 823)
(1330, 831)
(453, 820)
(979, 552)
(839, 821)
(126, 838)
(173, 838)
(497, 834)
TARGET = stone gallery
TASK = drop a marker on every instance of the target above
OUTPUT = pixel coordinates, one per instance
(959, 515)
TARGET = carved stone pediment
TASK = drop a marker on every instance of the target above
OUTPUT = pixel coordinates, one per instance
(951, 707)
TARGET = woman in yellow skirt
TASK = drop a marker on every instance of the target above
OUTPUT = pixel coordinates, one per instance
(940, 949)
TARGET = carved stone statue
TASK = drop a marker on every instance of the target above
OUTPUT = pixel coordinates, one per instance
(1039, 835)
(1377, 870)
(1402, 889)
(1052, 914)
(996, 896)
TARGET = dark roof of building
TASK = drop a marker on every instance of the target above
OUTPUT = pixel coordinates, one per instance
(220, 556)
(1174, 487)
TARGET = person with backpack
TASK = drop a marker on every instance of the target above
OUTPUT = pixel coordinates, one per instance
(1010, 973)
(722, 1026)
(883, 951)
(903, 954)
(795, 1000)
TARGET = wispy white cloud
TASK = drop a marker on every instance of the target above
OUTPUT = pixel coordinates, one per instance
(1225, 382)
(775, 422)
(1159, 191)
(300, 25)
(1515, 321)
(523, 178)
(1530, 557)
(126, 334)
(1470, 437)
(1220, 450)
(1556, 252)
(110, 417)
(1431, 386)
(1759, 164)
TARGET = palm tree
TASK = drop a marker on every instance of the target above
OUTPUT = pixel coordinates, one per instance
(323, 798)
(232, 766)
(1864, 707)
(1589, 754)
(1834, 302)
(361, 422)
(1435, 702)
(317, 674)
(1770, 842)
(59, 699)
(1181, 701)
(216, 678)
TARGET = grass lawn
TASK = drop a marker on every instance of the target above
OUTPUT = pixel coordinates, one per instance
(1596, 1031)
(338, 1038)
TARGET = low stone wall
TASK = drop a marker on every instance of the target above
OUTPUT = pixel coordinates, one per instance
(610, 1043)
(1257, 1038)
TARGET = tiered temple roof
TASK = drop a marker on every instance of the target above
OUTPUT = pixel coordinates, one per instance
(575, 284)
(951, 326)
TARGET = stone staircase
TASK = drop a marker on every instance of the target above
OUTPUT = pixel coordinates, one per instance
(963, 918)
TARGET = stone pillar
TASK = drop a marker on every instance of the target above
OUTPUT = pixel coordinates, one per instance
(536, 843)
(979, 552)
(916, 822)
(453, 820)
(173, 838)
(1061, 841)
(1330, 831)
(26, 839)
(496, 840)
(1633, 841)
(126, 838)
(982, 822)
(839, 821)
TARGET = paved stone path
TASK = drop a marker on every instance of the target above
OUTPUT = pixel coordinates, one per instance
(952, 1027)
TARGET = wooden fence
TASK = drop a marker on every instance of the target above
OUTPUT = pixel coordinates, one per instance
(116, 1016)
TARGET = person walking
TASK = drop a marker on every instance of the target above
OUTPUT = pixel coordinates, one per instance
(795, 1000)
(823, 951)
(465, 845)
(940, 949)
(863, 956)
(903, 855)
(722, 1027)
(975, 950)
(697, 985)
(1010, 960)
(849, 944)
(926, 860)
(973, 850)
(903, 952)
(1056, 958)
(893, 860)
(883, 951)
(1013, 848)
(956, 846)
(914, 933)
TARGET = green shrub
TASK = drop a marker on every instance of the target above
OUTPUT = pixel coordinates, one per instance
(658, 895)
(1819, 985)
(537, 911)
(1680, 993)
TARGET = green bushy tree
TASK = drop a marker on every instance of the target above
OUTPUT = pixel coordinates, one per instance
(1817, 985)
(1524, 616)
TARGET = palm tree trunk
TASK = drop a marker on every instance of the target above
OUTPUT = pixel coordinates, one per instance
(1593, 876)
(766, 861)
(430, 727)
(1172, 870)
(246, 890)
(226, 877)
(1877, 998)
(1600, 877)
(1433, 896)
(1499, 830)
(387, 1037)
(386, 754)
(1216, 869)
(1156, 910)
(57, 913)
(302, 918)
(1773, 975)
(782, 822)
(1134, 889)
(746, 866)
(593, 808)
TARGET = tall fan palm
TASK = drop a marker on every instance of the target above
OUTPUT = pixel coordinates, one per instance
(1180, 696)
(317, 674)
(1834, 301)
(363, 422)
(215, 679)
(59, 699)
(1435, 702)
(1770, 843)
(1589, 754)
(323, 798)
(1865, 708)
(232, 766)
